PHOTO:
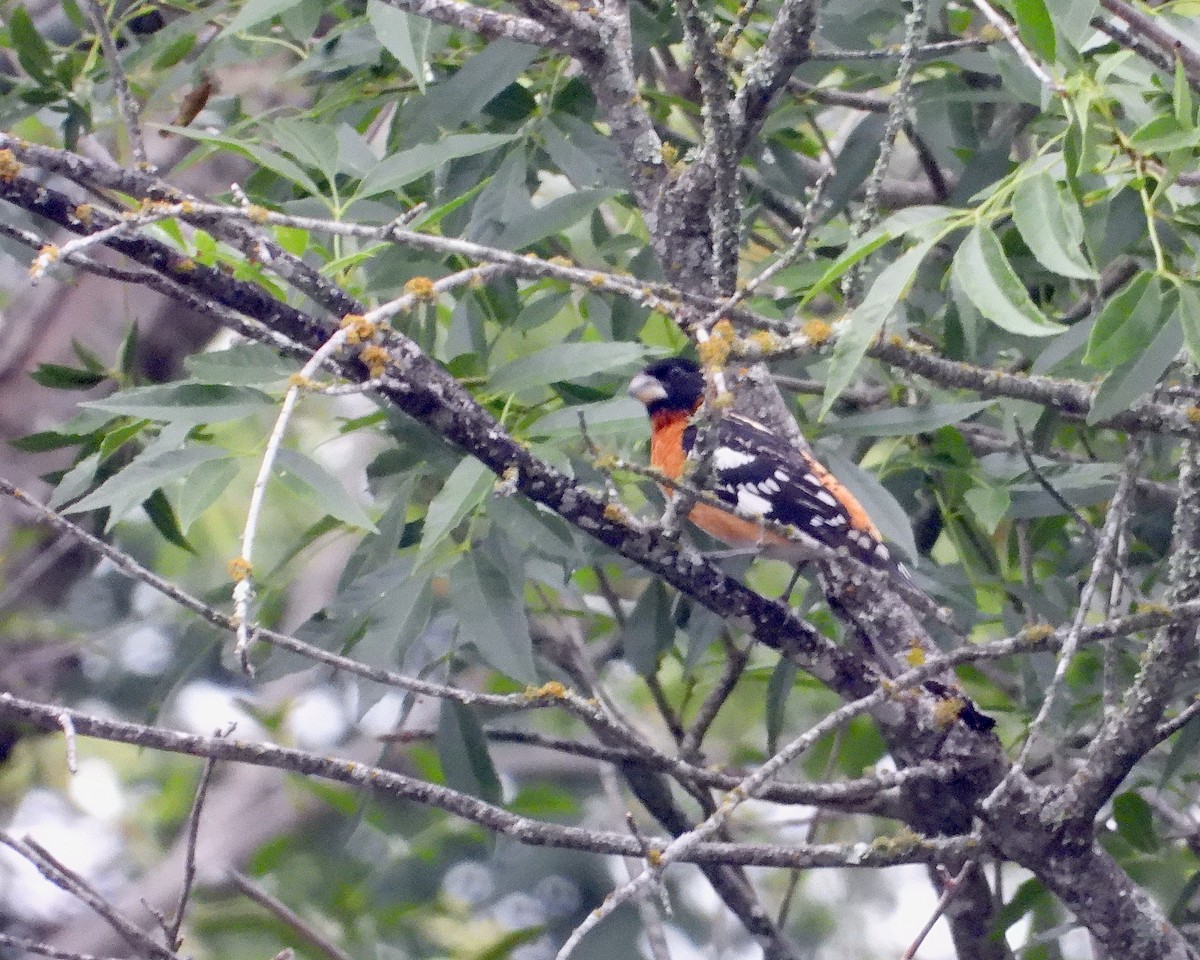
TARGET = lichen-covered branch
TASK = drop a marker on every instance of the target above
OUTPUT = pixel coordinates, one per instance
(491, 24)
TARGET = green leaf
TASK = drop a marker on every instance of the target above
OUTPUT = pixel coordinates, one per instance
(1029, 897)
(45, 440)
(462, 749)
(1130, 320)
(433, 218)
(30, 48)
(1133, 380)
(566, 361)
(121, 433)
(1079, 484)
(466, 487)
(868, 319)
(1035, 26)
(162, 515)
(649, 629)
(891, 518)
(989, 282)
(542, 310)
(242, 365)
(288, 169)
(551, 218)
(88, 357)
(461, 97)
(1189, 317)
(75, 482)
(702, 628)
(905, 421)
(202, 488)
(1183, 750)
(371, 612)
(853, 254)
(584, 157)
(313, 144)
(186, 403)
(1135, 821)
(1051, 225)
(144, 474)
(402, 168)
(1164, 134)
(491, 616)
(404, 37)
(1181, 97)
(620, 417)
(313, 481)
(127, 355)
(58, 377)
(779, 689)
(989, 504)
(1074, 18)
(399, 618)
(254, 12)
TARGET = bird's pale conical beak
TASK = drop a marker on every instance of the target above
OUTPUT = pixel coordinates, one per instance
(646, 389)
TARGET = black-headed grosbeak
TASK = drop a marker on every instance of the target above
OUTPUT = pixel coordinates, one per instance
(755, 472)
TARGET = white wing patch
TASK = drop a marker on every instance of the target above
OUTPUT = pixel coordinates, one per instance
(726, 458)
(827, 498)
(752, 503)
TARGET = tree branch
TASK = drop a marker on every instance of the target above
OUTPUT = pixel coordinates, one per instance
(524, 829)
(1153, 30)
(490, 24)
(1070, 398)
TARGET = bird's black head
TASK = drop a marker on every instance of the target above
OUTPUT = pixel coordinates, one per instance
(675, 384)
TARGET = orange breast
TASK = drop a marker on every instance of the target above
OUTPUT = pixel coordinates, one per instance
(668, 455)
(666, 441)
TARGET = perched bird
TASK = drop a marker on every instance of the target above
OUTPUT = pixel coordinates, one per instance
(761, 475)
(755, 472)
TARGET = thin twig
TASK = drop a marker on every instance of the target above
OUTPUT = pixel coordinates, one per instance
(749, 787)
(1154, 31)
(243, 568)
(1088, 528)
(304, 930)
(997, 20)
(858, 795)
(868, 213)
(1111, 648)
(1042, 481)
(125, 102)
(46, 950)
(665, 709)
(1104, 559)
(498, 819)
(67, 879)
(929, 51)
(785, 905)
(736, 659)
(652, 918)
(193, 834)
(50, 253)
(953, 884)
(129, 567)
